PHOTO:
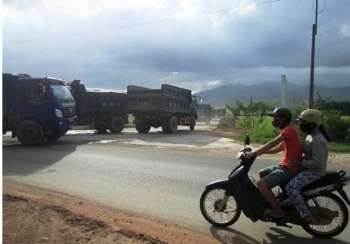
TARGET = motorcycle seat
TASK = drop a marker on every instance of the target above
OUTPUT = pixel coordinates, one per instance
(326, 179)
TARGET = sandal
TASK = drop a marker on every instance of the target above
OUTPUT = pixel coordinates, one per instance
(309, 221)
(273, 218)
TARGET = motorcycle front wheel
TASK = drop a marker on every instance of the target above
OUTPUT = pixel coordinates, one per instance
(331, 210)
(209, 202)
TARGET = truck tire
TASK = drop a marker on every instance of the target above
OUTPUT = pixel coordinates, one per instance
(193, 122)
(30, 133)
(101, 128)
(142, 128)
(56, 135)
(172, 123)
(165, 125)
(116, 124)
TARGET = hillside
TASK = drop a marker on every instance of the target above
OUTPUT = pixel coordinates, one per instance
(217, 97)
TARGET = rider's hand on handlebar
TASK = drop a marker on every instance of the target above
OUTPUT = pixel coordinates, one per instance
(249, 154)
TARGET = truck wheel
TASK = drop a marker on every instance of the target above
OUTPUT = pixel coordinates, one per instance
(30, 133)
(193, 122)
(100, 128)
(142, 128)
(165, 126)
(146, 128)
(116, 124)
(138, 127)
(172, 124)
(64, 131)
(55, 135)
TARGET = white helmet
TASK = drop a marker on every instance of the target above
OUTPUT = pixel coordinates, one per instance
(311, 115)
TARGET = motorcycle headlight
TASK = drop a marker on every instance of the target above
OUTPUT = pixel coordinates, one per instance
(59, 113)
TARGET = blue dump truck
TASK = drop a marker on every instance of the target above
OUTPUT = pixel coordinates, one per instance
(167, 107)
(102, 110)
(36, 109)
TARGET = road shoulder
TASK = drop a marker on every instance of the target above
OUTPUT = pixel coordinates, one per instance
(61, 218)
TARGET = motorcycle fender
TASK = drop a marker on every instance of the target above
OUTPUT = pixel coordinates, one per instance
(220, 183)
(342, 193)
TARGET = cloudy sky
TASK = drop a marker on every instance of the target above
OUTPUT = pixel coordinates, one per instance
(195, 44)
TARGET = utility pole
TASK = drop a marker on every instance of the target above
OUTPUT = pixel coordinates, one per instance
(312, 71)
(284, 91)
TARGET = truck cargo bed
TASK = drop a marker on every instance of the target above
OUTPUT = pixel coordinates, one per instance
(167, 99)
(103, 110)
(102, 101)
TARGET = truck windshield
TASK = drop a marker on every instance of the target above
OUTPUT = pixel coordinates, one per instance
(62, 92)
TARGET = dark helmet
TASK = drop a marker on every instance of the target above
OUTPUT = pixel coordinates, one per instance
(283, 113)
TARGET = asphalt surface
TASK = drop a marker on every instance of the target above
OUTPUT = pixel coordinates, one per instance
(155, 175)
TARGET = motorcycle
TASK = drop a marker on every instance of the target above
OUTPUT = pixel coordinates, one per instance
(222, 201)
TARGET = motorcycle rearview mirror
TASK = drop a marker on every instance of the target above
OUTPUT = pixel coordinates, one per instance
(246, 147)
(247, 140)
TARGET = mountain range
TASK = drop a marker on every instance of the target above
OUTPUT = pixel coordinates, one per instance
(270, 92)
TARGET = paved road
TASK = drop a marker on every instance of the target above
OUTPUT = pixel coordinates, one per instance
(159, 183)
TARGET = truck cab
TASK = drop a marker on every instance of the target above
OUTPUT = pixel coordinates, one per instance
(35, 109)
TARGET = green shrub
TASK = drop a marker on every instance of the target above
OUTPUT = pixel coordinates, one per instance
(227, 121)
(250, 116)
(337, 128)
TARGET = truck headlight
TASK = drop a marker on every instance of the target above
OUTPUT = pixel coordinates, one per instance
(59, 113)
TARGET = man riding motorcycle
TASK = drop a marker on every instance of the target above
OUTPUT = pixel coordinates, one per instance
(288, 142)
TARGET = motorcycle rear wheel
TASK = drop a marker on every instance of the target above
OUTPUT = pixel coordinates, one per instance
(209, 200)
(338, 224)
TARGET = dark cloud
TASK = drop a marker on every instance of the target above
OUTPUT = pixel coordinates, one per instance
(150, 46)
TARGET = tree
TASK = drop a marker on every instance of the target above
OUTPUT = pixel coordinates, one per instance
(250, 116)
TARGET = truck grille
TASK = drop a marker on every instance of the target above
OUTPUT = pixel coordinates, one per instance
(69, 112)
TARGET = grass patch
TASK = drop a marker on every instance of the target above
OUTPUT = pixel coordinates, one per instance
(258, 136)
(265, 135)
(262, 137)
(266, 132)
(339, 147)
(82, 127)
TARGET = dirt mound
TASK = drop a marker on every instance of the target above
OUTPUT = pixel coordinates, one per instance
(37, 215)
(26, 221)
